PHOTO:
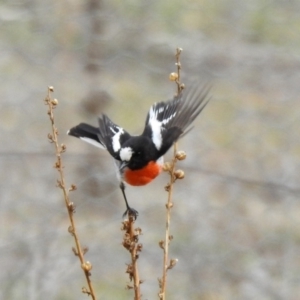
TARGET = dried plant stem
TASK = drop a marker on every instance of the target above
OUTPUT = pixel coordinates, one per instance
(131, 243)
(180, 86)
(59, 149)
(168, 237)
(169, 188)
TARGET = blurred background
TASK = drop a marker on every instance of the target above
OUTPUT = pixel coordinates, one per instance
(236, 214)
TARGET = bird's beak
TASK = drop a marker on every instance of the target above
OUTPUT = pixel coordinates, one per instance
(123, 165)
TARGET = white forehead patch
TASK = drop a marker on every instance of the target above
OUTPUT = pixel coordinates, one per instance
(126, 153)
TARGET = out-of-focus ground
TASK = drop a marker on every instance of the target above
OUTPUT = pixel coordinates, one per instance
(236, 216)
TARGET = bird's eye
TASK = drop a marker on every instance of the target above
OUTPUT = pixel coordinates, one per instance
(138, 153)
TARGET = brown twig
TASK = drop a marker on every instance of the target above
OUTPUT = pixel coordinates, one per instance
(59, 150)
(174, 175)
(131, 243)
(175, 76)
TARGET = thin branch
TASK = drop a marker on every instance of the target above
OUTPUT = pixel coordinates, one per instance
(168, 237)
(178, 174)
(59, 150)
(180, 86)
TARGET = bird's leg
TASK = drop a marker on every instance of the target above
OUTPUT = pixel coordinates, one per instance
(129, 210)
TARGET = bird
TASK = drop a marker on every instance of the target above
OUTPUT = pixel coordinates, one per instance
(139, 158)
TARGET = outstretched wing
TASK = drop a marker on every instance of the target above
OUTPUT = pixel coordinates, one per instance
(112, 135)
(107, 136)
(167, 121)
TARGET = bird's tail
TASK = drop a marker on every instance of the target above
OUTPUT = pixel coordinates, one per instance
(87, 133)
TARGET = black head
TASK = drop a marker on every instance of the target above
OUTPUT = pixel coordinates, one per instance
(138, 151)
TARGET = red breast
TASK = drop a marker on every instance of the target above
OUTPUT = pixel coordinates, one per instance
(142, 176)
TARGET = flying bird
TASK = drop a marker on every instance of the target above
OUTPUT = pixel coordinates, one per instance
(139, 159)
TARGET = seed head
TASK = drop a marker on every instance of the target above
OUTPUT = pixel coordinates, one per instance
(167, 167)
(54, 102)
(179, 174)
(87, 266)
(173, 76)
(180, 155)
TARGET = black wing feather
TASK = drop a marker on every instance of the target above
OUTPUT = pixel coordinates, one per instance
(108, 135)
(177, 115)
(111, 135)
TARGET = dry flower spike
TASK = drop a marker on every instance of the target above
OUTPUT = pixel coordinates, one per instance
(178, 174)
(53, 138)
(130, 242)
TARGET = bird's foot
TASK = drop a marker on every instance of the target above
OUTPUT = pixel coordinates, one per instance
(131, 212)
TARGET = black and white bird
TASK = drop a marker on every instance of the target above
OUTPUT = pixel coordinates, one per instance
(139, 158)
